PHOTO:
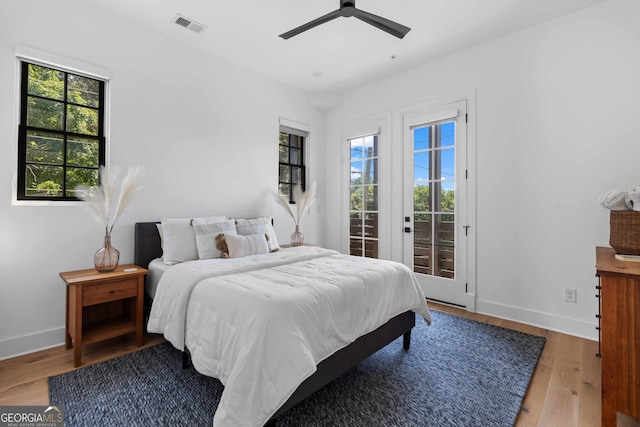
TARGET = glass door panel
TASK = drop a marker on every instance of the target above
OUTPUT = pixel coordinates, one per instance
(435, 190)
(363, 192)
(434, 194)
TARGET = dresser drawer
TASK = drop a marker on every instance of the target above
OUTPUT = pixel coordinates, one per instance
(96, 294)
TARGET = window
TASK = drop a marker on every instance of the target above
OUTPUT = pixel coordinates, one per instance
(363, 195)
(434, 199)
(61, 142)
(291, 161)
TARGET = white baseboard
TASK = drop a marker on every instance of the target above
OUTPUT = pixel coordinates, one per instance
(553, 322)
(31, 343)
(55, 337)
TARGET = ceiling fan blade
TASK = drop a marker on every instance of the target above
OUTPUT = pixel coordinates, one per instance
(302, 28)
(384, 24)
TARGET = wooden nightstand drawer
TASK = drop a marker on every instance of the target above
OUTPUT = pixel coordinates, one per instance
(97, 294)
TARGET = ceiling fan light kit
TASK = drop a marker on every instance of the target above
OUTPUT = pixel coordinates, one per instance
(348, 9)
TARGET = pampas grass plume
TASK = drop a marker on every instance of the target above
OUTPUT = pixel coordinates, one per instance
(303, 200)
(110, 199)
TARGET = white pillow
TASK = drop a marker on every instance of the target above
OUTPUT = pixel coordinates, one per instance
(251, 244)
(178, 241)
(206, 237)
(208, 219)
(178, 238)
(262, 225)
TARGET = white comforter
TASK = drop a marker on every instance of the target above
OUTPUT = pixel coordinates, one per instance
(263, 329)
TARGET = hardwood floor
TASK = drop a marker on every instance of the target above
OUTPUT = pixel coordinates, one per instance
(23, 379)
(565, 389)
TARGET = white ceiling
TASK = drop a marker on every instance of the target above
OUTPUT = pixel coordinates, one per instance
(346, 51)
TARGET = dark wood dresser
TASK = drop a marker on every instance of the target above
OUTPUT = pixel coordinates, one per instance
(620, 335)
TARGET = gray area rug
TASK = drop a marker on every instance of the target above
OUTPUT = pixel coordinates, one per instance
(458, 372)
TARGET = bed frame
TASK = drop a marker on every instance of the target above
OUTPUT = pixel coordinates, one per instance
(147, 248)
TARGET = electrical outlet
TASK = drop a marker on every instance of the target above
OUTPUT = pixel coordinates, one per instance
(570, 294)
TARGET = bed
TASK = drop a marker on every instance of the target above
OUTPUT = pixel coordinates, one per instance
(328, 367)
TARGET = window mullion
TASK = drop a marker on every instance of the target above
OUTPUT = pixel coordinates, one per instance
(22, 138)
(102, 140)
(290, 181)
(22, 161)
(432, 191)
(64, 137)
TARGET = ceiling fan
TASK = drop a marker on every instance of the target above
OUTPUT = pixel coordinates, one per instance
(348, 9)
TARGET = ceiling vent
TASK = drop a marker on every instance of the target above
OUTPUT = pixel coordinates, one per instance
(189, 24)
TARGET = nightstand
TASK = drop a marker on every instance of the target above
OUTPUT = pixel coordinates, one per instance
(101, 306)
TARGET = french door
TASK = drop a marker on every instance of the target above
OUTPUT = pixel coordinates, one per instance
(435, 189)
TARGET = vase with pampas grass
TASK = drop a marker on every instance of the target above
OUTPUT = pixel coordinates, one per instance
(303, 201)
(106, 203)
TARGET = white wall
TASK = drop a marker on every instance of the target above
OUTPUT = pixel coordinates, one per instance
(557, 125)
(204, 129)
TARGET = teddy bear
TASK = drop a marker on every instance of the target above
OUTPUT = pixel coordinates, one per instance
(221, 244)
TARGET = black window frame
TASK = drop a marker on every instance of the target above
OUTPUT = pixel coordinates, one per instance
(24, 128)
(300, 145)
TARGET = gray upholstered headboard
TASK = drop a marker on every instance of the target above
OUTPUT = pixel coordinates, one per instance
(146, 246)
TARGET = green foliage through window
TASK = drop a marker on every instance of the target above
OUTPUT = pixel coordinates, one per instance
(62, 143)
